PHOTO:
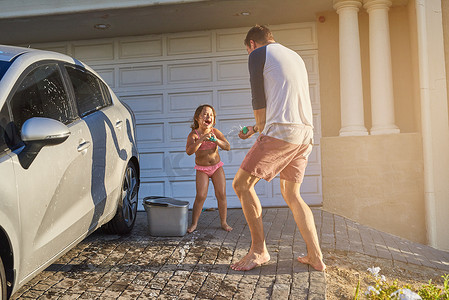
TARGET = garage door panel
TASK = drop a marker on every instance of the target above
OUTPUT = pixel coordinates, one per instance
(296, 36)
(311, 61)
(152, 163)
(178, 131)
(234, 99)
(108, 75)
(178, 163)
(185, 102)
(239, 144)
(233, 159)
(311, 185)
(316, 128)
(230, 40)
(314, 91)
(145, 106)
(185, 189)
(140, 48)
(150, 186)
(94, 50)
(189, 43)
(140, 76)
(149, 135)
(232, 70)
(189, 73)
(314, 157)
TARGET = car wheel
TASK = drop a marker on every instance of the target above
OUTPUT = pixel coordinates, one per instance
(3, 291)
(125, 217)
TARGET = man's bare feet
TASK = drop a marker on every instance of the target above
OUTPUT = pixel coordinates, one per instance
(191, 228)
(226, 227)
(251, 261)
(317, 265)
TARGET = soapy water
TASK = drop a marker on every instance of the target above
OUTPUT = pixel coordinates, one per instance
(233, 136)
(234, 132)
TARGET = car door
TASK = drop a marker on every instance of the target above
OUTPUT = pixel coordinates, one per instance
(54, 193)
(106, 127)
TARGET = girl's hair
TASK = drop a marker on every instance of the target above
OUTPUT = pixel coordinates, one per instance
(198, 110)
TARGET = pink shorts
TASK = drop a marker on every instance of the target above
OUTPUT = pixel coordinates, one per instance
(209, 170)
(270, 156)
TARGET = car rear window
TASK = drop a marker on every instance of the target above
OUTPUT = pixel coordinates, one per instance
(88, 91)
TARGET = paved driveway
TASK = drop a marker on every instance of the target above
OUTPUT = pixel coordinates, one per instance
(196, 266)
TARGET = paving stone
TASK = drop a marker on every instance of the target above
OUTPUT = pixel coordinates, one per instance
(280, 291)
(261, 293)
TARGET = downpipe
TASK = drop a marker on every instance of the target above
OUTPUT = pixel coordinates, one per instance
(426, 127)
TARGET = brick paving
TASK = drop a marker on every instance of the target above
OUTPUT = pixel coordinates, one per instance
(196, 266)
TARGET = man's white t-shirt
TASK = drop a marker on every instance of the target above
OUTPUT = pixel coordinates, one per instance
(279, 83)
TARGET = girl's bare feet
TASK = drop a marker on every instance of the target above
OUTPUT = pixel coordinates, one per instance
(226, 227)
(191, 228)
(317, 265)
(251, 261)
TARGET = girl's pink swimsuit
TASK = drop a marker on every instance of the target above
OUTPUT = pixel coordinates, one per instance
(208, 170)
(206, 145)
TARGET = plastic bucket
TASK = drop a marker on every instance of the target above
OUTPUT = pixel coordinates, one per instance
(166, 216)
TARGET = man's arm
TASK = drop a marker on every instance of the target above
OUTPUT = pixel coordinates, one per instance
(261, 116)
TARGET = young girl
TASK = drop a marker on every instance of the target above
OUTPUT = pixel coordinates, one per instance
(204, 141)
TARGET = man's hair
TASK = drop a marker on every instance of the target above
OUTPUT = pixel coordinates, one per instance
(260, 34)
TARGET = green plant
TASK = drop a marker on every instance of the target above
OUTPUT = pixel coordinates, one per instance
(357, 291)
(382, 290)
(431, 291)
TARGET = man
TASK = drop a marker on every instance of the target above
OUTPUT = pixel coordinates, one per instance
(283, 113)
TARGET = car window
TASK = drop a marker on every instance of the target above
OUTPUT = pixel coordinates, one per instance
(4, 121)
(41, 93)
(106, 93)
(9, 134)
(88, 91)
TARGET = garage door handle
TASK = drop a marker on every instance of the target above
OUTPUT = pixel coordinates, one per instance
(118, 124)
(83, 146)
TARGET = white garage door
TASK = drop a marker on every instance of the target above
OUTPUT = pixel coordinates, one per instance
(163, 78)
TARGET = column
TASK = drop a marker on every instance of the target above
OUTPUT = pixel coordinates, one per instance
(351, 91)
(382, 98)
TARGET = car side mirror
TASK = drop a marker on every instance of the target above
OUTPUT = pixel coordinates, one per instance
(37, 133)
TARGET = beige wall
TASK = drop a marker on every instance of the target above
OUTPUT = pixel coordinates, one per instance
(376, 181)
(328, 54)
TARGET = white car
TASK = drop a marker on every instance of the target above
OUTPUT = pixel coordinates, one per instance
(68, 161)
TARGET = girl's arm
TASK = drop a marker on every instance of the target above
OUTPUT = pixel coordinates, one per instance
(222, 142)
(193, 143)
